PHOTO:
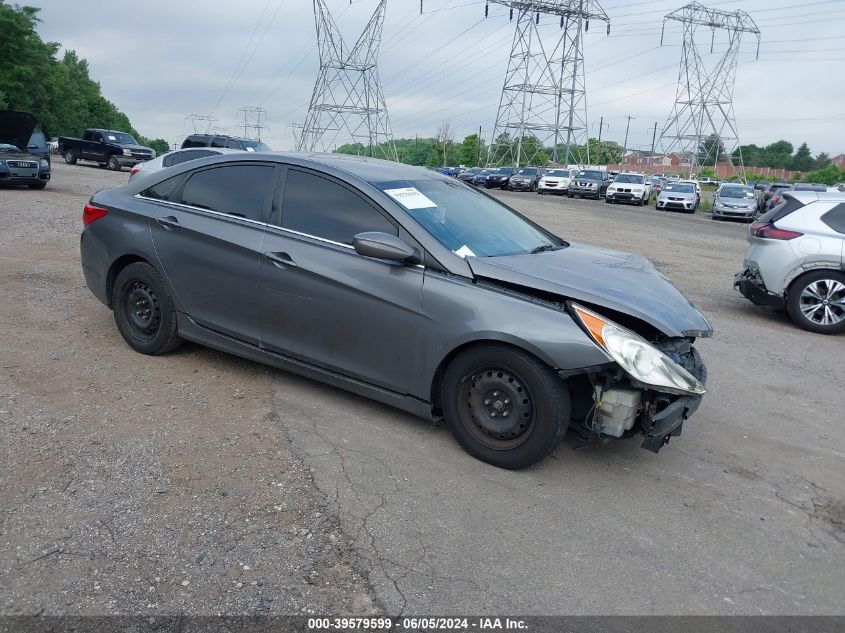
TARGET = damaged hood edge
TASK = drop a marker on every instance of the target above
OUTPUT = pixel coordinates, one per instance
(619, 281)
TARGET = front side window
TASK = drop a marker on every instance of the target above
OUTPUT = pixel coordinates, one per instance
(218, 142)
(466, 221)
(256, 146)
(316, 206)
(238, 190)
(231, 144)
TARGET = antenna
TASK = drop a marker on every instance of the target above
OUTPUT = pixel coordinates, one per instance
(348, 95)
(544, 102)
(702, 125)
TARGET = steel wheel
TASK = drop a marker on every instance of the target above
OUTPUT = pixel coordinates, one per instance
(823, 302)
(499, 410)
(141, 309)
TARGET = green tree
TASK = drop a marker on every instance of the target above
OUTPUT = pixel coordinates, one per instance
(803, 159)
(711, 150)
(821, 161)
(829, 175)
(473, 150)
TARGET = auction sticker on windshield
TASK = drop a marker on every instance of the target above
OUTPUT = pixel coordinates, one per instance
(410, 198)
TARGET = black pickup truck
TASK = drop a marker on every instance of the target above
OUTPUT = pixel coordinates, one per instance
(108, 148)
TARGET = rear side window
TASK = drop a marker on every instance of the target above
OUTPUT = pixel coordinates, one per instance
(239, 190)
(835, 218)
(177, 158)
(320, 207)
(195, 141)
(162, 190)
(781, 210)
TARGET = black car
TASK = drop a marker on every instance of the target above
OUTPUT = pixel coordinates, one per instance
(760, 185)
(771, 191)
(467, 175)
(230, 142)
(526, 179)
(480, 179)
(24, 158)
(108, 148)
(499, 178)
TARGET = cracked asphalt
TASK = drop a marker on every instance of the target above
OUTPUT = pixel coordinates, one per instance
(742, 514)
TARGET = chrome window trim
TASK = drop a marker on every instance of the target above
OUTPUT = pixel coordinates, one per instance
(255, 222)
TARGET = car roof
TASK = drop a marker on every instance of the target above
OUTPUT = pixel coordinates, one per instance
(363, 167)
(806, 197)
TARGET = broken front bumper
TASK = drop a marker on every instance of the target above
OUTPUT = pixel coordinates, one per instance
(669, 422)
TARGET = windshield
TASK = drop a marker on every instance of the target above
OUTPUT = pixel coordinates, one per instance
(594, 175)
(629, 178)
(527, 171)
(679, 188)
(736, 192)
(505, 171)
(558, 173)
(121, 138)
(256, 146)
(466, 221)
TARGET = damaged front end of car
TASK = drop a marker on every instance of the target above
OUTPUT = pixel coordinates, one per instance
(649, 387)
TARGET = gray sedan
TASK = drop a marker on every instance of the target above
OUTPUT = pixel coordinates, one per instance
(404, 286)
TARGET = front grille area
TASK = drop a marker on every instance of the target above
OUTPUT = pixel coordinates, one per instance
(22, 164)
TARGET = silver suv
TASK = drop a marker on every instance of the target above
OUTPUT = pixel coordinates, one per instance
(795, 260)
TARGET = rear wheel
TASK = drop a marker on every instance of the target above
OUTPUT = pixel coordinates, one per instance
(504, 406)
(70, 157)
(816, 302)
(144, 311)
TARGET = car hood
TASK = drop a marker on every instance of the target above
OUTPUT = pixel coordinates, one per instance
(619, 281)
(16, 127)
(137, 148)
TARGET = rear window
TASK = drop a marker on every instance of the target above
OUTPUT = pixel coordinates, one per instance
(195, 141)
(780, 211)
(835, 218)
(177, 158)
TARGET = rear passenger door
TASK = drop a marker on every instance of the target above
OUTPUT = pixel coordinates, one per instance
(208, 231)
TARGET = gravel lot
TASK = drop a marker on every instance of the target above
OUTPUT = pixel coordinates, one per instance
(199, 483)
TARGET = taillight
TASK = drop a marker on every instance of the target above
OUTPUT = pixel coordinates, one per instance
(92, 213)
(134, 170)
(770, 231)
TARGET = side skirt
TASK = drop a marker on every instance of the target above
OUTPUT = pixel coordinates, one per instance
(191, 331)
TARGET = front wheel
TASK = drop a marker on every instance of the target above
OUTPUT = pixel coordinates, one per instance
(144, 311)
(504, 406)
(816, 302)
(114, 163)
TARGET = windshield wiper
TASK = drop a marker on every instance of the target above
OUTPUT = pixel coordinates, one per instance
(542, 248)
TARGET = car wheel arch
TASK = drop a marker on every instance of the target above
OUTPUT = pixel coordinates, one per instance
(503, 341)
(122, 262)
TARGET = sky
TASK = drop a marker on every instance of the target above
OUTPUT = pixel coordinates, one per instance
(160, 61)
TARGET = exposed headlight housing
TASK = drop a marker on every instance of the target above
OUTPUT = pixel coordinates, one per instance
(637, 357)
(126, 152)
(44, 164)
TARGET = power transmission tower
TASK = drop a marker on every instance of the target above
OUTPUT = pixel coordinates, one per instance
(348, 96)
(252, 120)
(702, 125)
(204, 121)
(544, 101)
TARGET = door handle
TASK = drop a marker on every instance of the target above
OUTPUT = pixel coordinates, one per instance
(168, 222)
(281, 260)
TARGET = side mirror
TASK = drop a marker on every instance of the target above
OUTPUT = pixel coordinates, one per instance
(381, 246)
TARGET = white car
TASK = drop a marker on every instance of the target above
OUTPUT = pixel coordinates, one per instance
(176, 157)
(556, 181)
(694, 183)
(630, 187)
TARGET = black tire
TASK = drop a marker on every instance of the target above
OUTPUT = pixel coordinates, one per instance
(38, 185)
(530, 393)
(70, 157)
(570, 195)
(144, 311)
(608, 200)
(114, 164)
(829, 285)
(640, 202)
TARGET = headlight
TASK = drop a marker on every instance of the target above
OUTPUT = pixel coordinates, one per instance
(640, 359)
(126, 152)
(44, 164)
(611, 189)
(504, 178)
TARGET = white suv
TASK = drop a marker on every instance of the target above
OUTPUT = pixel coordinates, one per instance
(795, 260)
(630, 187)
(556, 181)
